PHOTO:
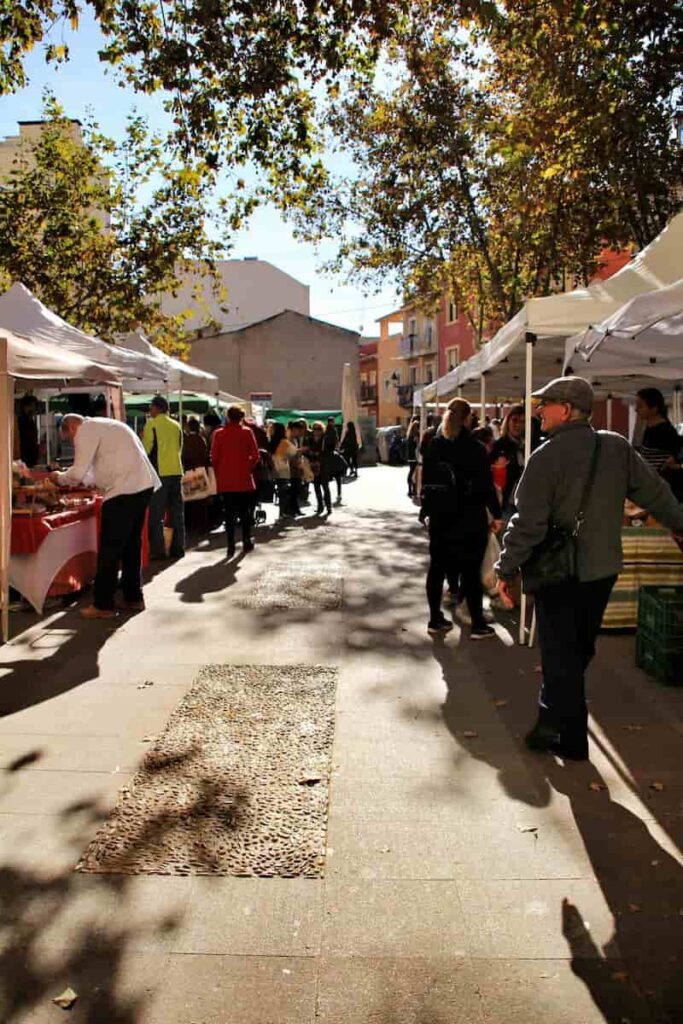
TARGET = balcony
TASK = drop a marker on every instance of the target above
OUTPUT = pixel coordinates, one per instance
(404, 395)
(418, 344)
(368, 394)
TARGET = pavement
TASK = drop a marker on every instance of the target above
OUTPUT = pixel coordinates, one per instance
(467, 880)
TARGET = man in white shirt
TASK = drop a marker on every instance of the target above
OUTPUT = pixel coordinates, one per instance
(112, 452)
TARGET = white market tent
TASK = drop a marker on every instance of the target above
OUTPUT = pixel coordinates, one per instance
(641, 341)
(501, 366)
(28, 361)
(181, 376)
(23, 313)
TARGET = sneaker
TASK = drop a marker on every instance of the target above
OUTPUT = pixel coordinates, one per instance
(91, 612)
(247, 545)
(442, 625)
(482, 632)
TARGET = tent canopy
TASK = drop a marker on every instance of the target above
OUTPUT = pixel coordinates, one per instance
(554, 318)
(310, 415)
(642, 339)
(21, 312)
(180, 376)
(38, 361)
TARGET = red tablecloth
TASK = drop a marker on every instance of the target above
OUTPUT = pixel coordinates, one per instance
(29, 532)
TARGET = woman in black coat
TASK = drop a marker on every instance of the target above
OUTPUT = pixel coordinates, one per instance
(457, 491)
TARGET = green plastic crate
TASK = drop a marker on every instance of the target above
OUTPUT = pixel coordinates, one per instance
(660, 658)
(660, 612)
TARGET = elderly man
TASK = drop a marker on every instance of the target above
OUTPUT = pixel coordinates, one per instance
(578, 470)
(122, 470)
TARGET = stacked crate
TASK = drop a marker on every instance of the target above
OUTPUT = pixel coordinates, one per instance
(659, 641)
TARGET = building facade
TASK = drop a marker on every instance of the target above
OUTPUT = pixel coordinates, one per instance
(12, 147)
(390, 370)
(368, 373)
(247, 291)
(455, 336)
(298, 359)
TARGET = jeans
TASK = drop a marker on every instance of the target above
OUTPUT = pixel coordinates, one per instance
(569, 617)
(238, 505)
(121, 526)
(168, 497)
(461, 561)
(321, 486)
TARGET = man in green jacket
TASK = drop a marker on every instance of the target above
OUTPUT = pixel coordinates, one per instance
(163, 441)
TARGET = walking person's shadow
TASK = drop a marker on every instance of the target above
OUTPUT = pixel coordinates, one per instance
(638, 975)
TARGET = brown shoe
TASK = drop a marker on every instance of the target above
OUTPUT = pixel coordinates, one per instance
(91, 612)
(131, 606)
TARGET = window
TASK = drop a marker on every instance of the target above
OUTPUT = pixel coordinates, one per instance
(452, 357)
(429, 333)
(452, 311)
(412, 371)
(372, 378)
(412, 326)
(429, 373)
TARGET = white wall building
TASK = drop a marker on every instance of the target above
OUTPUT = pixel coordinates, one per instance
(250, 290)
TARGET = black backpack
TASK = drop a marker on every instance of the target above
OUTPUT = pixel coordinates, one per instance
(442, 490)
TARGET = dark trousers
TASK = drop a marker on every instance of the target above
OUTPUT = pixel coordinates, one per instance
(412, 469)
(569, 617)
(238, 505)
(121, 526)
(456, 561)
(352, 461)
(168, 498)
(321, 486)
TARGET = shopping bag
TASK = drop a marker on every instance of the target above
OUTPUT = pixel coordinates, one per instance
(488, 572)
(197, 484)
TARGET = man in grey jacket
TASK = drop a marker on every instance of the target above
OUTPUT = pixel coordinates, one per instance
(550, 491)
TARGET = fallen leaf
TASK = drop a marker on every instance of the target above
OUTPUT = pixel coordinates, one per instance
(633, 728)
(634, 907)
(148, 739)
(655, 863)
(66, 1000)
(310, 780)
(658, 786)
(597, 787)
(528, 828)
(386, 849)
(470, 734)
(500, 703)
(619, 976)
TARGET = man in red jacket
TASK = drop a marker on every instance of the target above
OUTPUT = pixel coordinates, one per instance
(234, 455)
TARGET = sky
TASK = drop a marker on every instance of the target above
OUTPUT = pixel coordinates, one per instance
(83, 84)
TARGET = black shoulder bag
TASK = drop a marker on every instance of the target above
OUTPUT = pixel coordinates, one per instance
(554, 560)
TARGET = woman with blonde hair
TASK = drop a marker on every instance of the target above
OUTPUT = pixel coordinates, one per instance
(457, 491)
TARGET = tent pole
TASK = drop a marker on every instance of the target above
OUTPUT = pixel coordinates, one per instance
(609, 412)
(530, 340)
(180, 407)
(6, 453)
(677, 405)
(482, 400)
(47, 429)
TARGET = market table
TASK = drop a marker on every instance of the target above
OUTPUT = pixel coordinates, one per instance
(55, 553)
(651, 557)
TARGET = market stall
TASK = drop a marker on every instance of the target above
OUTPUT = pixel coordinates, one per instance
(72, 524)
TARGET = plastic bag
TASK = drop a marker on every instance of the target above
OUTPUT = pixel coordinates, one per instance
(491, 556)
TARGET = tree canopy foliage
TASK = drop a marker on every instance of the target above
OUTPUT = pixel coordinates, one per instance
(97, 230)
(487, 146)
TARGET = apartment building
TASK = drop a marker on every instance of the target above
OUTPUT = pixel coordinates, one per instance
(367, 368)
(390, 370)
(13, 147)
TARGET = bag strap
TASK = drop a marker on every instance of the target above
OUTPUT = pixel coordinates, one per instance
(590, 480)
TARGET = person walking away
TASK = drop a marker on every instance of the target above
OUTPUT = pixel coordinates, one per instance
(283, 452)
(320, 451)
(577, 466)
(195, 448)
(349, 448)
(115, 455)
(457, 491)
(338, 467)
(413, 441)
(212, 422)
(234, 456)
(163, 441)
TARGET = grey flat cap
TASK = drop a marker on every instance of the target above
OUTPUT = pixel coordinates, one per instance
(575, 391)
